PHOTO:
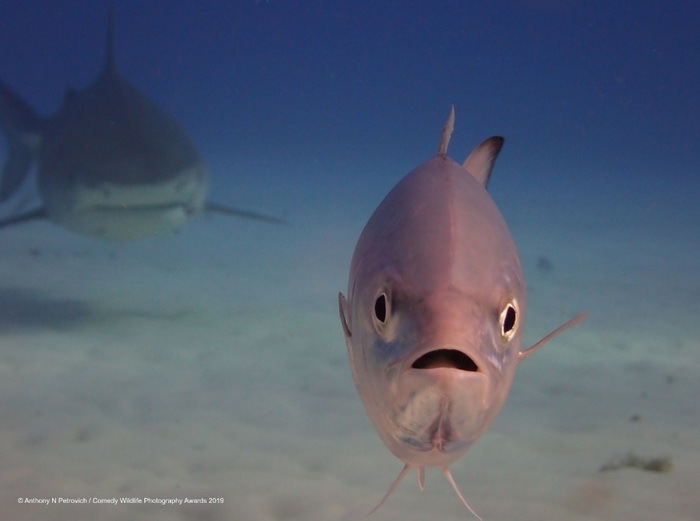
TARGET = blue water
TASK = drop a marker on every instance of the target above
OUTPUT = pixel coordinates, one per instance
(211, 362)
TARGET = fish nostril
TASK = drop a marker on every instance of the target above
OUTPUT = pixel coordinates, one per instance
(446, 358)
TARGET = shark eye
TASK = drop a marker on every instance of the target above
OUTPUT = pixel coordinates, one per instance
(509, 320)
(380, 309)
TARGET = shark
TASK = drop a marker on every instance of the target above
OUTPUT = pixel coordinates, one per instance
(435, 310)
(109, 164)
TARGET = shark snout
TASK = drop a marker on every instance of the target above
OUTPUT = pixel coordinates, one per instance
(446, 358)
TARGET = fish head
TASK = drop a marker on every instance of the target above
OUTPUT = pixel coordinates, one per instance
(434, 316)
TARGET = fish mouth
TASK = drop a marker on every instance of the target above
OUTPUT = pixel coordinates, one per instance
(446, 358)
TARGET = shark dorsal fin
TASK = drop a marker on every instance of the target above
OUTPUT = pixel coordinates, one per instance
(110, 67)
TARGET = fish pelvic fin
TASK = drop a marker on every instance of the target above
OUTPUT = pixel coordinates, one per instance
(449, 477)
(391, 488)
(421, 483)
(421, 477)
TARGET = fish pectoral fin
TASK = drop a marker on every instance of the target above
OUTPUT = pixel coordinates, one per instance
(522, 355)
(235, 212)
(39, 213)
(391, 488)
(343, 312)
(449, 477)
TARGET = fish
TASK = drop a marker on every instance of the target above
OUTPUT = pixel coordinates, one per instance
(110, 163)
(435, 310)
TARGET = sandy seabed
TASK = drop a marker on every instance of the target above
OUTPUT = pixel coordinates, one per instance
(210, 364)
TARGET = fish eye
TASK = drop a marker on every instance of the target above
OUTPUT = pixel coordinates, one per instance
(380, 309)
(509, 320)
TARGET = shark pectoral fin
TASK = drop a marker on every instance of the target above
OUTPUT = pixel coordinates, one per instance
(39, 213)
(235, 212)
(480, 162)
(391, 488)
(522, 355)
(16, 167)
(449, 477)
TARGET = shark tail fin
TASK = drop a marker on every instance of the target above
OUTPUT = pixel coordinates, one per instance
(22, 128)
(32, 215)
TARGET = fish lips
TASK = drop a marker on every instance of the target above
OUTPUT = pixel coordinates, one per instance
(443, 398)
(446, 358)
(452, 371)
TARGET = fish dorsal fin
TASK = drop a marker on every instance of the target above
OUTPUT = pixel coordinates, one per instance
(480, 162)
(447, 132)
(110, 66)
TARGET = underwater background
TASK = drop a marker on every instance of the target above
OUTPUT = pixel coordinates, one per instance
(210, 363)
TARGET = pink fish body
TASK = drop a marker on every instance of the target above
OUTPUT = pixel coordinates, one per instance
(435, 311)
